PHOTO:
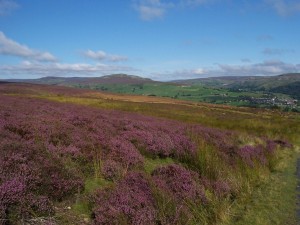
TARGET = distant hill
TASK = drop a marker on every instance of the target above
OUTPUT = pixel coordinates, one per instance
(74, 81)
(292, 89)
(285, 83)
(251, 91)
(245, 82)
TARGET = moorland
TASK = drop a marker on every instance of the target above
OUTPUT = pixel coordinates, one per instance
(81, 156)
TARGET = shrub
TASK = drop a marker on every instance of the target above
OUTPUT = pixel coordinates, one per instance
(131, 202)
(111, 170)
(179, 182)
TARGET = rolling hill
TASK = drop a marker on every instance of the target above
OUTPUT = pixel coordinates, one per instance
(248, 83)
(71, 81)
(288, 84)
(255, 91)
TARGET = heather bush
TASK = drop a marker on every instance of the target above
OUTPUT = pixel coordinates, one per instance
(124, 152)
(263, 155)
(252, 154)
(271, 147)
(221, 139)
(30, 179)
(152, 141)
(221, 188)
(131, 202)
(179, 182)
(178, 193)
(111, 170)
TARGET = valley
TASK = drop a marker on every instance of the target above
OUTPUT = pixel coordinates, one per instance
(279, 92)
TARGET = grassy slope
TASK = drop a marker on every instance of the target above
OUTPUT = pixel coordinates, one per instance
(256, 82)
(272, 202)
(196, 92)
(287, 84)
(222, 90)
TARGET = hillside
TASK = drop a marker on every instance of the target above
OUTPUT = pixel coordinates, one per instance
(267, 92)
(252, 83)
(77, 81)
(142, 160)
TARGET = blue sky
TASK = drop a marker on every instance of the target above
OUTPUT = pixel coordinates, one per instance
(159, 39)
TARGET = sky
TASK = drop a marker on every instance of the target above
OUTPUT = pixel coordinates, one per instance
(157, 39)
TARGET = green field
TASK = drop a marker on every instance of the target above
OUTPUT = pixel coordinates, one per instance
(200, 93)
(276, 92)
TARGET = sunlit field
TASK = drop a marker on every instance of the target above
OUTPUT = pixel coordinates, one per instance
(71, 156)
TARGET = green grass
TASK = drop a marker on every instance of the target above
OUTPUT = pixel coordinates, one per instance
(152, 164)
(92, 184)
(273, 200)
(82, 207)
(198, 92)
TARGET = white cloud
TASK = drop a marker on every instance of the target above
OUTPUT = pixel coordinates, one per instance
(199, 71)
(38, 69)
(101, 55)
(270, 67)
(13, 48)
(285, 7)
(38, 64)
(195, 2)
(156, 9)
(266, 68)
(7, 6)
(276, 51)
(151, 9)
(150, 12)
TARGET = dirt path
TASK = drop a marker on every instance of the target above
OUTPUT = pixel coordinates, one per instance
(298, 190)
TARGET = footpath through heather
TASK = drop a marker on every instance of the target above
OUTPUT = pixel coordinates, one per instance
(298, 190)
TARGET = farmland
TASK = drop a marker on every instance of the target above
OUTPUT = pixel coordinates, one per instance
(75, 156)
(200, 93)
(279, 92)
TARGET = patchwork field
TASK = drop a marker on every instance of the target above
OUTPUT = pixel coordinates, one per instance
(73, 156)
(279, 92)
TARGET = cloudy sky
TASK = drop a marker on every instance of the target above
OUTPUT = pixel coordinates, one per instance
(160, 39)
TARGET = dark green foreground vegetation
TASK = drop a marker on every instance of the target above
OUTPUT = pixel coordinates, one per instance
(186, 163)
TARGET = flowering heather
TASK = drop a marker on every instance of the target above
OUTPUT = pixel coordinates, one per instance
(124, 152)
(250, 154)
(131, 202)
(77, 132)
(222, 140)
(111, 170)
(11, 191)
(47, 151)
(55, 133)
(179, 182)
(156, 141)
(271, 146)
(30, 178)
(221, 188)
